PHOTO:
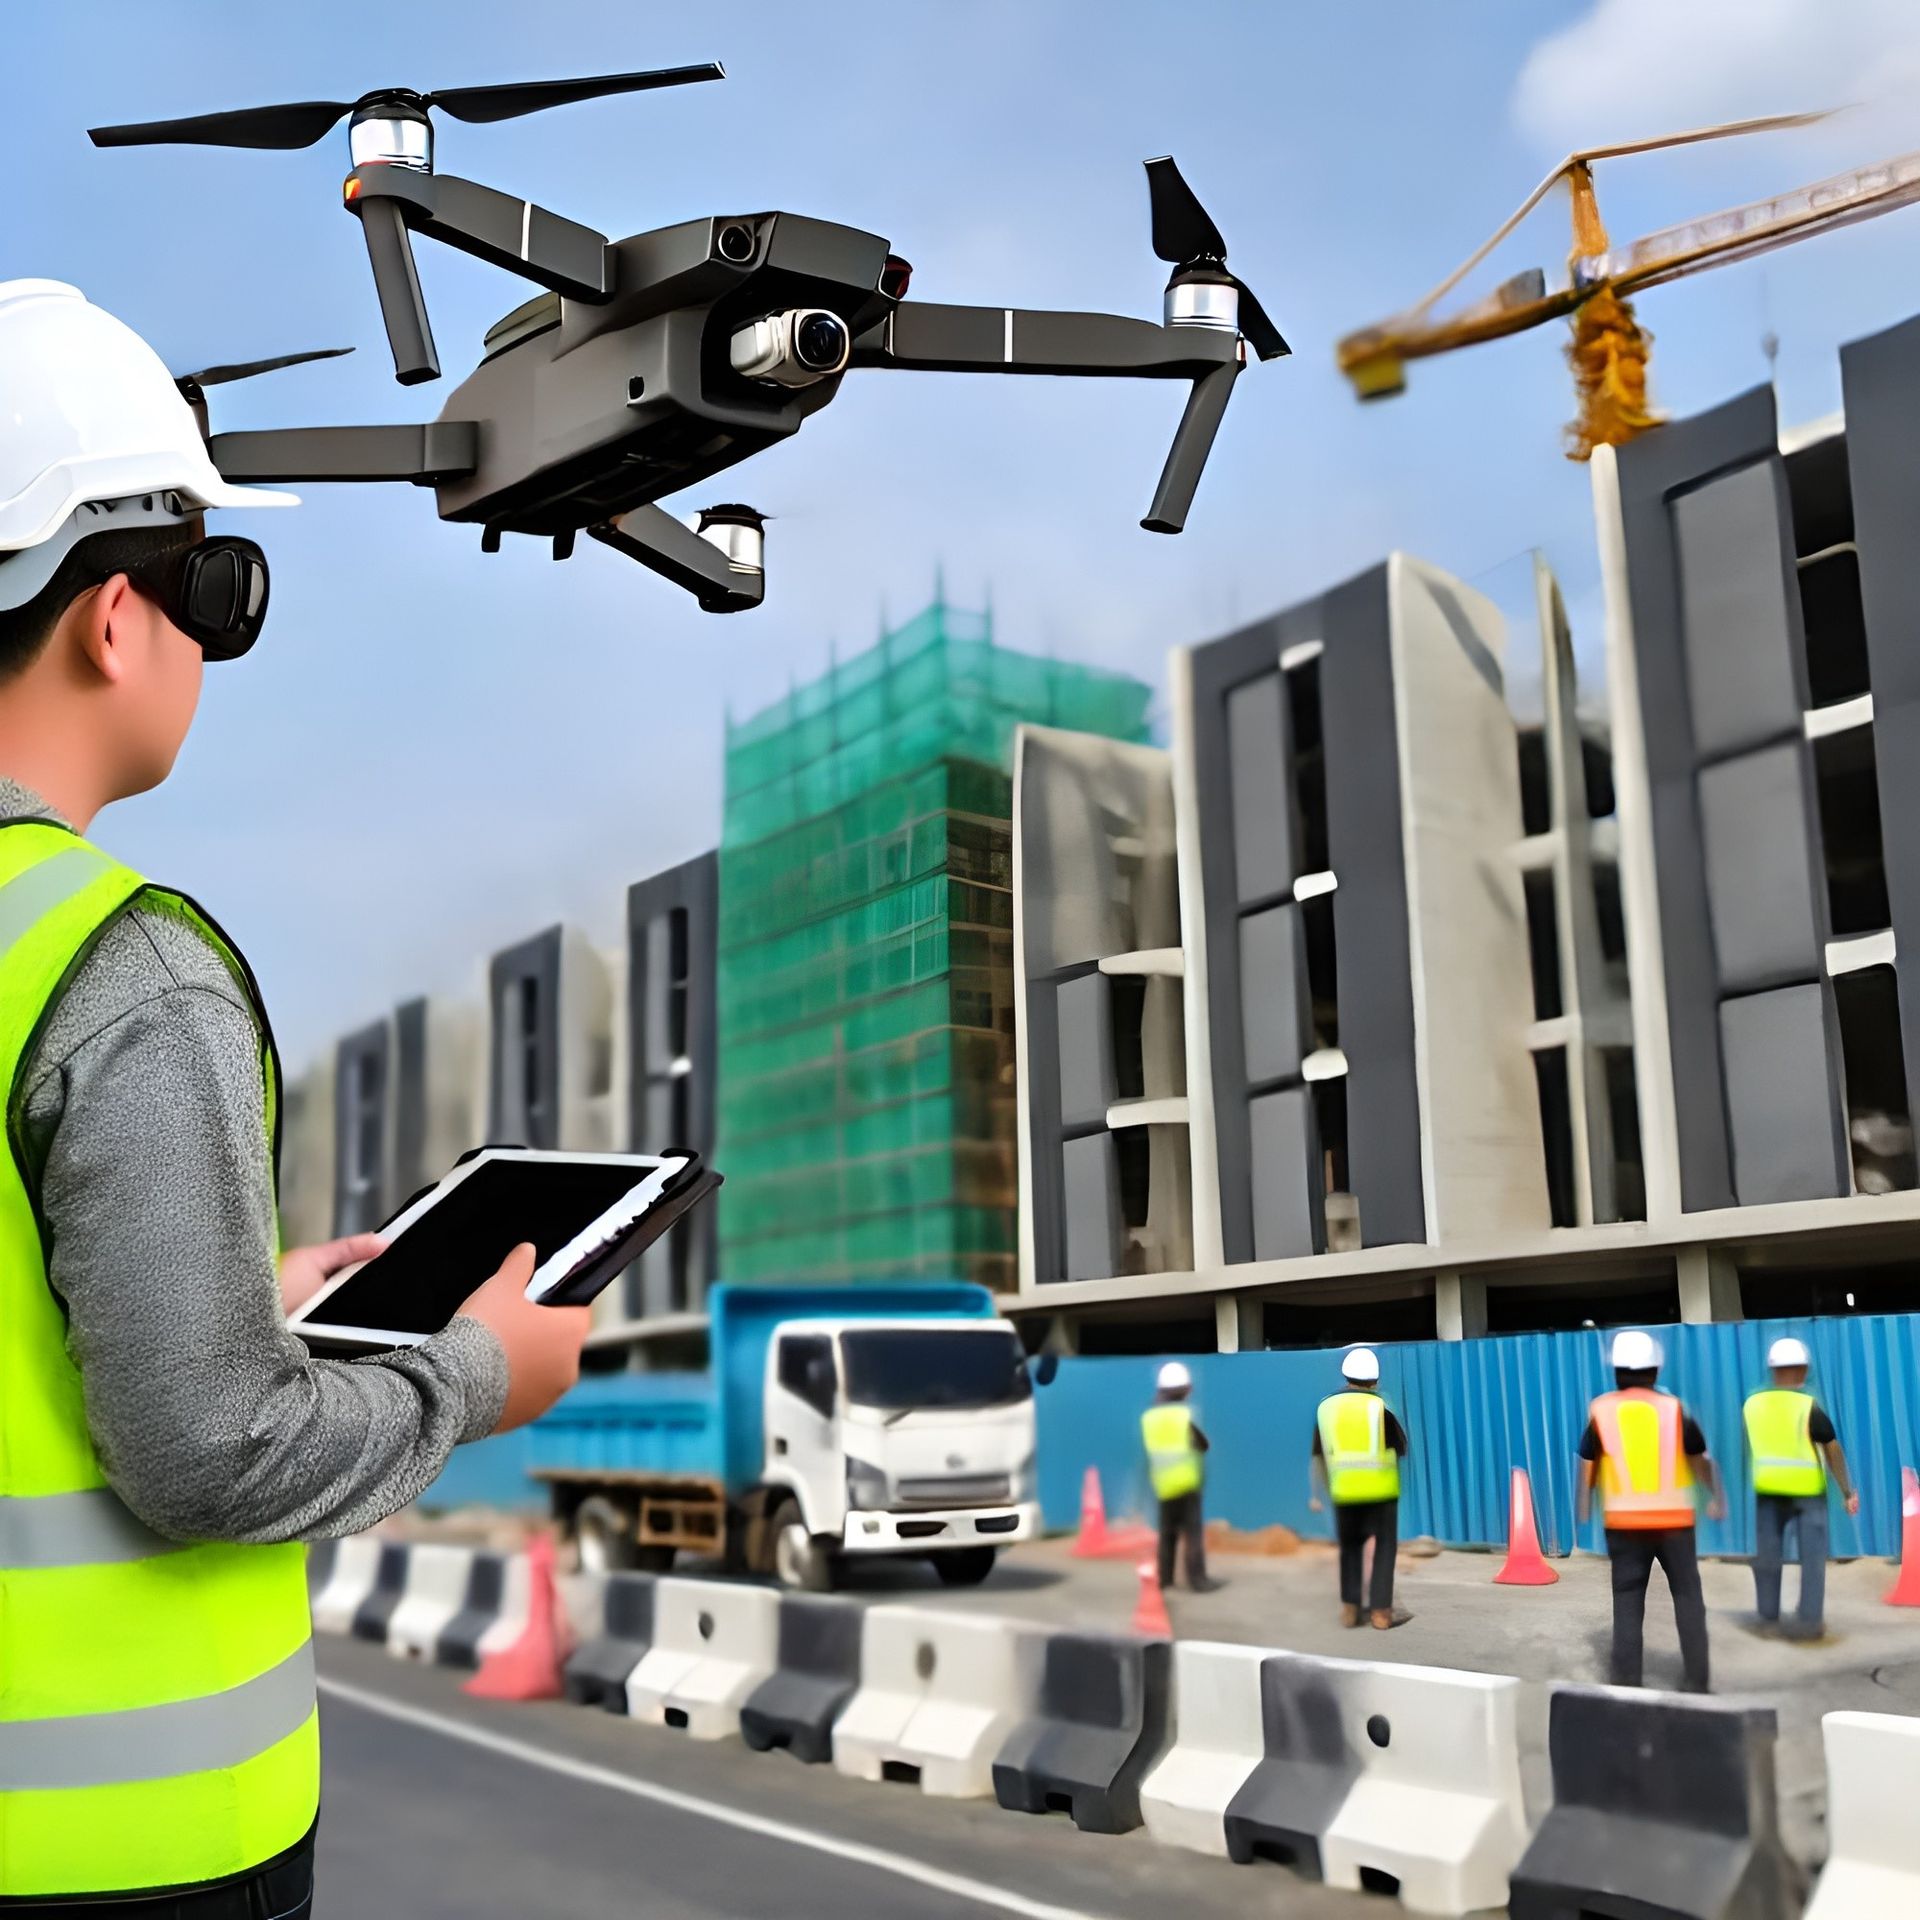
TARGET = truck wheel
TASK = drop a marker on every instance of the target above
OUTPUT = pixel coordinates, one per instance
(964, 1566)
(800, 1561)
(604, 1531)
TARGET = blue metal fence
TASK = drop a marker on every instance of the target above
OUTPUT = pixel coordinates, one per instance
(1475, 1409)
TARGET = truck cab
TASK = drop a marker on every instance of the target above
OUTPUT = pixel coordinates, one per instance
(897, 1436)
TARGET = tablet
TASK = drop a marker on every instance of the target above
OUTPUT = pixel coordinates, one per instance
(589, 1215)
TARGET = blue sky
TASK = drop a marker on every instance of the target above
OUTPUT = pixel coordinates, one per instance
(434, 751)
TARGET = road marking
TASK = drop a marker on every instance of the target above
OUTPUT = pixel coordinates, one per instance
(962, 1888)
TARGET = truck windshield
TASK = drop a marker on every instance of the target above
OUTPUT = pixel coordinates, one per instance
(900, 1369)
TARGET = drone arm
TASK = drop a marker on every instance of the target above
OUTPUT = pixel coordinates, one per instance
(921, 335)
(433, 450)
(658, 541)
(397, 281)
(1192, 442)
(546, 248)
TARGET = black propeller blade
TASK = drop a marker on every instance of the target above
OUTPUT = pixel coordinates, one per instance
(1185, 237)
(246, 369)
(304, 122)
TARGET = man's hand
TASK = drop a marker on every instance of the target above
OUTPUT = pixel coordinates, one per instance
(542, 1344)
(1853, 1503)
(1315, 1504)
(1716, 1508)
(305, 1270)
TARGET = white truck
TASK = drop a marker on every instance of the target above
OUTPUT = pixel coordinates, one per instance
(832, 1423)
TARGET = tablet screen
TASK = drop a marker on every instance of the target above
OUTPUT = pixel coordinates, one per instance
(418, 1283)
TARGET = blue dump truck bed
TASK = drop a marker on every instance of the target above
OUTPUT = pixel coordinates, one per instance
(709, 1426)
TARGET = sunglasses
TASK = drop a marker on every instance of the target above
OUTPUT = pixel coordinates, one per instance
(215, 592)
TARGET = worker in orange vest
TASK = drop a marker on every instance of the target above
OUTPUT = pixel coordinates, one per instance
(1647, 1453)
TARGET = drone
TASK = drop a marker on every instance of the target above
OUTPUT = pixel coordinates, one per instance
(649, 365)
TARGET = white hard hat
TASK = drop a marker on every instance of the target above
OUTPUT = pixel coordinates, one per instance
(87, 413)
(1634, 1351)
(1362, 1363)
(1789, 1353)
(1174, 1377)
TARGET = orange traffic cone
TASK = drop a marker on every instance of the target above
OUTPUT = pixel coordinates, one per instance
(1906, 1590)
(1098, 1541)
(1150, 1616)
(530, 1668)
(1525, 1567)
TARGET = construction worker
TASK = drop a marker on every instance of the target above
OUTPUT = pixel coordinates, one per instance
(1647, 1452)
(165, 1441)
(1787, 1432)
(1357, 1449)
(1174, 1446)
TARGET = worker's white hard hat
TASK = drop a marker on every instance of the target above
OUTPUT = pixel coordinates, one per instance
(1362, 1363)
(1634, 1351)
(87, 414)
(1174, 1377)
(1789, 1353)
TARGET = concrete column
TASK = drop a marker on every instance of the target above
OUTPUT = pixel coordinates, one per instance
(1238, 1324)
(1459, 1306)
(1709, 1286)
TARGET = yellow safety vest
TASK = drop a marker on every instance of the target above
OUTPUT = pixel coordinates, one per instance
(1173, 1461)
(157, 1718)
(1645, 1481)
(1353, 1442)
(1785, 1460)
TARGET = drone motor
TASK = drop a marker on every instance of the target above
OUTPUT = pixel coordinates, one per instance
(792, 349)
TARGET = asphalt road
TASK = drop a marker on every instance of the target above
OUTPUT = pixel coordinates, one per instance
(436, 1807)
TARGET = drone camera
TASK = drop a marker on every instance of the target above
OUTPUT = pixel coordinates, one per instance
(736, 242)
(385, 135)
(793, 349)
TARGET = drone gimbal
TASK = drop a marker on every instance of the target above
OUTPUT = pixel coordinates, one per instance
(648, 365)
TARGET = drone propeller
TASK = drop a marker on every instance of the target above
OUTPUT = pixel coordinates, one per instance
(1185, 236)
(302, 123)
(246, 369)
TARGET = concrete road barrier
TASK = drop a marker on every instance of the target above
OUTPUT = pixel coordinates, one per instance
(1309, 1709)
(713, 1643)
(1664, 1808)
(1436, 1813)
(436, 1590)
(1873, 1818)
(481, 1609)
(1098, 1729)
(370, 1617)
(939, 1695)
(349, 1579)
(1217, 1743)
(597, 1671)
(817, 1673)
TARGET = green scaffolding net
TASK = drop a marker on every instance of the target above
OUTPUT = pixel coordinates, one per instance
(866, 956)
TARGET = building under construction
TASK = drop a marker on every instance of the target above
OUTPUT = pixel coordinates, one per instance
(866, 1055)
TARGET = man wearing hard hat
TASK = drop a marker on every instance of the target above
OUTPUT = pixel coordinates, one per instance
(1357, 1449)
(1174, 1446)
(1787, 1432)
(1646, 1452)
(165, 1442)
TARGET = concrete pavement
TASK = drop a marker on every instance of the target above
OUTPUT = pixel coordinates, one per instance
(436, 1807)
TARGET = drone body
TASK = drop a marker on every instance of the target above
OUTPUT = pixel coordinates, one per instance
(651, 364)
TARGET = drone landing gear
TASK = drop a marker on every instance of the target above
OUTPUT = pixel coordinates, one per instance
(720, 565)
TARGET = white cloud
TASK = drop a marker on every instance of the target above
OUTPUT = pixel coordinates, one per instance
(1629, 68)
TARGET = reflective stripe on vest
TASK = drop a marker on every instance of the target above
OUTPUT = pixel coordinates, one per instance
(1173, 1461)
(1645, 1481)
(157, 1722)
(1779, 1425)
(1353, 1442)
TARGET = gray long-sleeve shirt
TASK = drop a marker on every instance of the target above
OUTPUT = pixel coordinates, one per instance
(145, 1146)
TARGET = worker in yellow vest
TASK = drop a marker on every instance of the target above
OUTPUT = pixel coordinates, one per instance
(1787, 1432)
(1175, 1446)
(1646, 1453)
(1357, 1449)
(166, 1443)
